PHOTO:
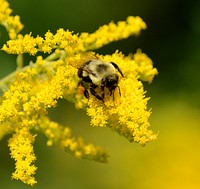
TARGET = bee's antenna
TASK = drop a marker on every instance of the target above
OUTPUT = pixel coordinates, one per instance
(116, 66)
(119, 90)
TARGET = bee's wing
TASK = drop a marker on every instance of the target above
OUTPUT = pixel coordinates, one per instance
(82, 58)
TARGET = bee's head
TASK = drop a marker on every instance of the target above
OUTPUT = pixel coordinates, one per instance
(111, 81)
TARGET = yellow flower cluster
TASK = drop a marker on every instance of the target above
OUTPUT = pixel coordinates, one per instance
(112, 32)
(145, 66)
(127, 114)
(33, 89)
(11, 23)
(73, 43)
(23, 108)
(22, 151)
(62, 136)
(28, 44)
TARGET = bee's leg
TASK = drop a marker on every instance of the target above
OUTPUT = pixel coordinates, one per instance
(116, 67)
(113, 94)
(93, 92)
(119, 90)
(85, 92)
(103, 89)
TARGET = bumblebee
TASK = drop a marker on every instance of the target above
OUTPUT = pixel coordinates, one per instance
(99, 74)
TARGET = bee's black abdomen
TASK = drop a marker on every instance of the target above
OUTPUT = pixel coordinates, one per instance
(87, 79)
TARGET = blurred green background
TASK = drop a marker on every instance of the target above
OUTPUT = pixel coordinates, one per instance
(172, 40)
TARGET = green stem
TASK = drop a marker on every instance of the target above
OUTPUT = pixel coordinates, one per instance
(20, 61)
(55, 56)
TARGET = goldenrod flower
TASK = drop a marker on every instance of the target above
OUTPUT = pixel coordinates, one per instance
(60, 135)
(112, 32)
(128, 113)
(72, 43)
(11, 23)
(22, 151)
(31, 90)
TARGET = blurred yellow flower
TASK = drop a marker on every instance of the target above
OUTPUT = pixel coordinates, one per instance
(31, 90)
(11, 23)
